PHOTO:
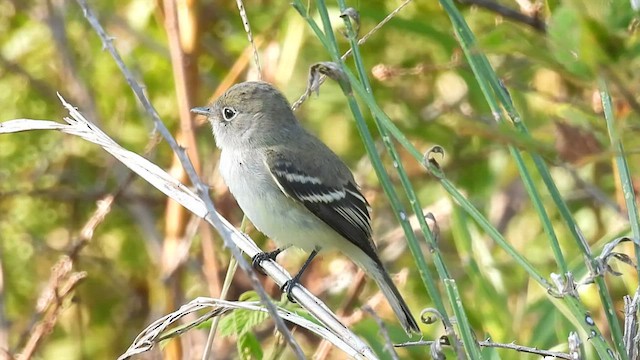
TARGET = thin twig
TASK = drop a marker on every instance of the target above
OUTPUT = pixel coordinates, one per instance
(224, 292)
(231, 270)
(491, 344)
(247, 29)
(86, 234)
(388, 344)
(61, 271)
(51, 303)
(355, 289)
(525, 349)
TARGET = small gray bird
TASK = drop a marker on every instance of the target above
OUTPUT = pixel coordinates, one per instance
(291, 186)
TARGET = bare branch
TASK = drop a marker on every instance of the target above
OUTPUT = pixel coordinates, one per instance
(160, 329)
(51, 303)
(247, 29)
(491, 344)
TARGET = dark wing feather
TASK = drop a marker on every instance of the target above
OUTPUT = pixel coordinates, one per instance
(343, 207)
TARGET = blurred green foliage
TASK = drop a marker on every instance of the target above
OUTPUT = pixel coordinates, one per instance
(50, 183)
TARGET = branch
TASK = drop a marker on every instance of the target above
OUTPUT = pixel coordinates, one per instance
(491, 344)
(51, 302)
(159, 329)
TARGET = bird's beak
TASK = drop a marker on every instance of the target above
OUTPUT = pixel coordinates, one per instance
(201, 110)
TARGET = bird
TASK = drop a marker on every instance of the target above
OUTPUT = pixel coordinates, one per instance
(292, 187)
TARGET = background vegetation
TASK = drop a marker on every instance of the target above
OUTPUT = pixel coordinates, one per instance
(146, 257)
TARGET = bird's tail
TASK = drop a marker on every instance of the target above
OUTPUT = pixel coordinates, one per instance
(375, 269)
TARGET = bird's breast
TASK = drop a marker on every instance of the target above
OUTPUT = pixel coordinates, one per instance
(269, 209)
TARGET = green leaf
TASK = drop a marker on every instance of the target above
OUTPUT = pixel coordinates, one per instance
(566, 37)
(240, 322)
(249, 347)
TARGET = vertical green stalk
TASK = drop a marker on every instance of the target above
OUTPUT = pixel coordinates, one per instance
(629, 197)
(623, 169)
(536, 200)
(495, 94)
(468, 338)
(469, 342)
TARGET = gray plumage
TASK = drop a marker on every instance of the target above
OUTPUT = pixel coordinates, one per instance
(290, 185)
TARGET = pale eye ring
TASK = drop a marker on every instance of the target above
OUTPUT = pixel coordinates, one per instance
(228, 113)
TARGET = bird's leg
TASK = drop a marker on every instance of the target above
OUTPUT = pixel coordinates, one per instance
(288, 286)
(257, 259)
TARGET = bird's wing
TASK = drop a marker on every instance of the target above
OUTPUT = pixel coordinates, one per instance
(339, 203)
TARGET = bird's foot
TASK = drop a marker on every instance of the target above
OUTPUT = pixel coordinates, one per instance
(287, 287)
(259, 257)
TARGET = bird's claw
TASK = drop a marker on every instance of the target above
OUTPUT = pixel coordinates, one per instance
(287, 287)
(259, 257)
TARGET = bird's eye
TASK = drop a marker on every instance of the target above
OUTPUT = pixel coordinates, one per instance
(228, 113)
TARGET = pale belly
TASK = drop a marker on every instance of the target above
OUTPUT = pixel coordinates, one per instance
(271, 211)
